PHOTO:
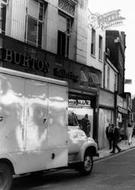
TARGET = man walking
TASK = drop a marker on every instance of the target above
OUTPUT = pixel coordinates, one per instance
(86, 125)
(116, 137)
(109, 134)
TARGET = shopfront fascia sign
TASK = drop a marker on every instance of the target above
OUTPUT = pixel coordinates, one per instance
(106, 99)
(23, 57)
(78, 76)
(65, 74)
(23, 60)
(120, 101)
(76, 102)
(122, 110)
(88, 78)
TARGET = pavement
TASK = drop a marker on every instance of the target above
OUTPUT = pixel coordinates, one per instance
(103, 153)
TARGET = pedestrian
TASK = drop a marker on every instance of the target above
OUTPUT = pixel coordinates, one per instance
(86, 125)
(133, 134)
(72, 119)
(129, 133)
(116, 137)
(109, 134)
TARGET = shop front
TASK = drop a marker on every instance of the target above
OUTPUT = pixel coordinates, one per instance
(83, 81)
(81, 105)
(122, 116)
(106, 115)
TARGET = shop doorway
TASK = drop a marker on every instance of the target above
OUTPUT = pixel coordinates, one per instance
(80, 108)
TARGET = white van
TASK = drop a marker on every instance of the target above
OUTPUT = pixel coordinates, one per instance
(34, 132)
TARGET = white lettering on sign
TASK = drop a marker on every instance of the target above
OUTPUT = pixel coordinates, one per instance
(79, 102)
(106, 20)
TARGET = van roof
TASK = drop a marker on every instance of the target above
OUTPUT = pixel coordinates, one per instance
(32, 76)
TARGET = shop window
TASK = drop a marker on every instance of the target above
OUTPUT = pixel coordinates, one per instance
(34, 22)
(100, 48)
(93, 41)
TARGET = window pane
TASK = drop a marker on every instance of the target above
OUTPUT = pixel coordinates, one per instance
(35, 18)
(0, 20)
(33, 9)
(39, 34)
(32, 30)
(41, 11)
(61, 43)
(100, 47)
(93, 36)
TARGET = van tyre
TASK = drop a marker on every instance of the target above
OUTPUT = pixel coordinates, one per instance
(5, 176)
(87, 165)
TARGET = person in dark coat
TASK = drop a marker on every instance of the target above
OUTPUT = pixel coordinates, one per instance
(86, 125)
(116, 136)
(109, 135)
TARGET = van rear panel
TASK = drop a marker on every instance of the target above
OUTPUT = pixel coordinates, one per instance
(33, 122)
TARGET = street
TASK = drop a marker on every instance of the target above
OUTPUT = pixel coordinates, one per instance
(114, 173)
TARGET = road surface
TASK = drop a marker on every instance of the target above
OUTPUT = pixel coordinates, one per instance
(114, 173)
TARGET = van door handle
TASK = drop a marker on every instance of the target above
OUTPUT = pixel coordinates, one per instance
(1, 118)
(44, 120)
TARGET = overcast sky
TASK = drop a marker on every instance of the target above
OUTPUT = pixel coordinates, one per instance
(127, 8)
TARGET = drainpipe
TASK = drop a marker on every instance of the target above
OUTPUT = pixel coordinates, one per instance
(115, 107)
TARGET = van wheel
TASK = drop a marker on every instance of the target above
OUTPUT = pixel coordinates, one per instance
(87, 164)
(5, 176)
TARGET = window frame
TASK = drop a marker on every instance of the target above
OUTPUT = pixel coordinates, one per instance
(69, 23)
(115, 82)
(38, 40)
(100, 55)
(93, 42)
(2, 19)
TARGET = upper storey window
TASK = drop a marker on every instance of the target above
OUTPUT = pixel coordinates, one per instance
(93, 42)
(67, 6)
(2, 17)
(64, 33)
(100, 48)
(34, 22)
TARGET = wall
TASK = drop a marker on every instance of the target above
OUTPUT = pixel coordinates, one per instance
(50, 39)
(15, 24)
(82, 23)
(115, 41)
(94, 60)
(15, 27)
(113, 72)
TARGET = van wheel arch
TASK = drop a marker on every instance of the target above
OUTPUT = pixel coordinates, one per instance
(9, 163)
(91, 150)
(6, 174)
